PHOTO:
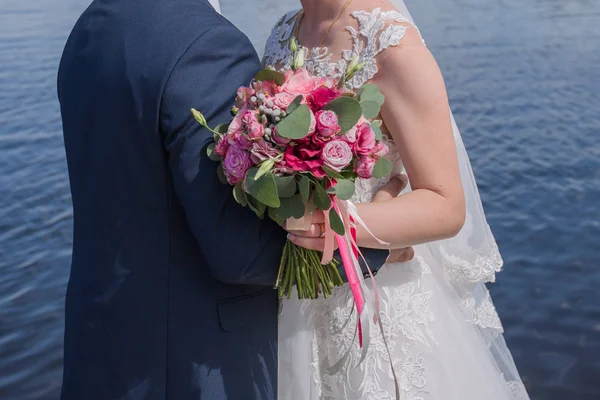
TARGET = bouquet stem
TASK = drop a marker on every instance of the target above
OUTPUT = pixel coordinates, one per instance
(302, 268)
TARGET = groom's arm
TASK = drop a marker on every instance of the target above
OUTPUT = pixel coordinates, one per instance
(239, 247)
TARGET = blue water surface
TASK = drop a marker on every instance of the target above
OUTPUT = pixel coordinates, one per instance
(524, 82)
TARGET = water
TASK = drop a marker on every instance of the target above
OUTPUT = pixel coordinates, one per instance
(524, 82)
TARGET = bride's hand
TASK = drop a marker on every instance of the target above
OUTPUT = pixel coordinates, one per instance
(313, 237)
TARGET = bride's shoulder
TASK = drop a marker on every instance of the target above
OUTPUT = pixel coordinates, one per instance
(387, 26)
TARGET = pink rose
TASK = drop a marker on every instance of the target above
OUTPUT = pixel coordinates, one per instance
(350, 136)
(283, 100)
(243, 96)
(327, 82)
(364, 167)
(255, 129)
(263, 150)
(240, 140)
(267, 88)
(299, 83)
(380, 149)
(236, 125)
(365, 139)
(236, 164)
(321, 96)
(305, 157)
(280, 140)
(337, 155)
(327, 123)
(313, 123)
(221, 147)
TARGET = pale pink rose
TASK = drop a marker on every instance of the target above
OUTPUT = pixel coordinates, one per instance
(236, 164)
(327, 82)
(279, 139)
(350, 136)
(255, 129)
(365, 139)
(364, 167)
(380, 149)
(327, 123)
(243, 96)
(300, 83)
(236, 125)
(267, 88)
(313, 123)
(283, 100)
(263, 150)
(337, 155)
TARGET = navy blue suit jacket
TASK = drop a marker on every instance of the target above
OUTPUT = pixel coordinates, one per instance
(170, 293)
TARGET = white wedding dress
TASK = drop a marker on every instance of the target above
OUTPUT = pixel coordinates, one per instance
(440, 324)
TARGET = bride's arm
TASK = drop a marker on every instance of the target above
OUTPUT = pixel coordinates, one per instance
(416, 112)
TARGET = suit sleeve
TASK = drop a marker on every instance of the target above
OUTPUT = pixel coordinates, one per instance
(238, 247)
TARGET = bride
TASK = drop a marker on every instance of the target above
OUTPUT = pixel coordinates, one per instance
(441, 328)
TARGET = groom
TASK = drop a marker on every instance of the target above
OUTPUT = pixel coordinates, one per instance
(170, 293)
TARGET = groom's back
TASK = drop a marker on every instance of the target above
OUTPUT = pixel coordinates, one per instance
(143, 319)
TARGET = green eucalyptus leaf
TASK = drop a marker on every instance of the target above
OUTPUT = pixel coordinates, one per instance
(212, 154)
(265, 167)
(370, 109)
(294, 104)
(368, 89)
(221, 174)
(296, 124)
(263, 189)
(291, 207)
(304, 186)
(377, 131)
(336, 222)
(331, 173)
(321, 198)
(286, 186)
(382, 168)
(272, 213)
(222, 128)
(270, 75)
(343, 189)
(377, 122)
(239, 195)
(348, 111)
(256, 206)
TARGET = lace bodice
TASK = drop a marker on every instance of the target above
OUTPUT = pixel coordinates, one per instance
(376, 31)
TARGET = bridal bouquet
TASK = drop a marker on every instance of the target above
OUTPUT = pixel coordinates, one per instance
(296, 144)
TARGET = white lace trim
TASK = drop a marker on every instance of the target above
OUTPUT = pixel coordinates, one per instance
(374, 35)
(482, 269)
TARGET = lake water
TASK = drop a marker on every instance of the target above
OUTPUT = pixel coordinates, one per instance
(524, 82)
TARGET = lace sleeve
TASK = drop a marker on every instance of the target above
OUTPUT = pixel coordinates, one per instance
(276, 50)
(376, 31)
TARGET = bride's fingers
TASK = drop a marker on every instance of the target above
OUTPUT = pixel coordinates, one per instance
(315, 231)
(392, 189)
(308, 242)
(401, 255)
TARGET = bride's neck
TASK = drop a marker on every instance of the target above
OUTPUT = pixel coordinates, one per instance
(316, 12)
